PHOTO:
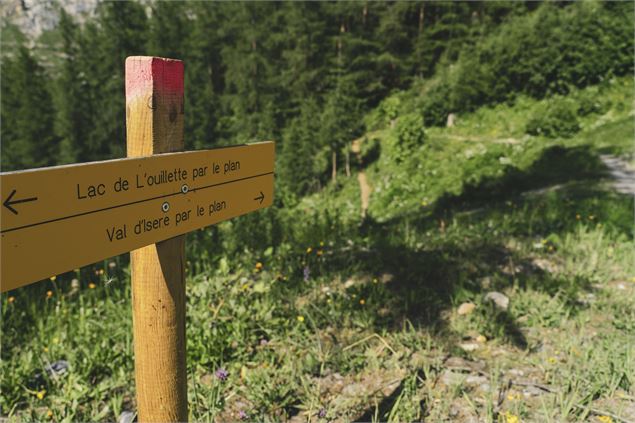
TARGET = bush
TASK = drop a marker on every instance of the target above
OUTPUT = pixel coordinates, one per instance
(434, 104)
(558, 118)
(383, 114)
(410, 131)
(370, 151)
(589, 103)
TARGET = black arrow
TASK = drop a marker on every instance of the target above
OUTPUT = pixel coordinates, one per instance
(261, 197)
(8, 203)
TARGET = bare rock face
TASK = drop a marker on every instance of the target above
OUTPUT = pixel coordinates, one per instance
(500, 300)
(35, 16)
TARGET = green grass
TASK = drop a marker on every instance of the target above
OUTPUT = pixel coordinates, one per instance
(373, 332)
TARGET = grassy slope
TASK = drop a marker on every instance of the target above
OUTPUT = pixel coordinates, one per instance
(360, 318)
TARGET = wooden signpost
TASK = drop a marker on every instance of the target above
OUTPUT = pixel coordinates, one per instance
(55, 219)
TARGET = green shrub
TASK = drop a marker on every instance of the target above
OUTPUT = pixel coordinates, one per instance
(383, 114)
(410, 131)
(434, 105)
(370, 151)
(589, 102)
(558, 118)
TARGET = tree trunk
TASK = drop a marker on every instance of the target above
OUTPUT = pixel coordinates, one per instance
(334, 164)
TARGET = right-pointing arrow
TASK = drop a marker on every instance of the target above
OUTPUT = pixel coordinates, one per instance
(261, 197)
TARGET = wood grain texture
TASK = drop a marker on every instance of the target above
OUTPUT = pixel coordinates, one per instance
(154, 124)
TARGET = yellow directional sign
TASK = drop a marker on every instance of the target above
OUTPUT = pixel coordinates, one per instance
(56, 219)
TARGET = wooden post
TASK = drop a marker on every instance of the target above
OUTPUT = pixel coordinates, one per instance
(154, 123)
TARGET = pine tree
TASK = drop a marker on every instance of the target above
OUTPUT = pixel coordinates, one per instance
(120, 31)
(204, 77)
(252, 91)
(300, 166)
(304, 59)
(28, 140)
(72, 99)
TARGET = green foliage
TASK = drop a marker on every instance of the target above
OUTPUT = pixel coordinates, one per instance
(410, 132)
(557, 118)
(545, 52)
(299, 169)
(383, 115)
(369, 151)
(434, 103)
(590, 102)
(27, 114)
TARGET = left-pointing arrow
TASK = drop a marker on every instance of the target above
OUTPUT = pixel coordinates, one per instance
(8, 203)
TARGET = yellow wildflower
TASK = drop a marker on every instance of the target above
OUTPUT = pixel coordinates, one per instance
(375, 280)
(605, 419)
(591, 217)
(11, 299)
(46, 349)
(49, 294)
(319, 252)
(482, 339)
(308, 250)
(49, 414)
(52, 278)
(101, 271)
(321, 243)
(300, 318)
(511, 418)
(40, 394)
(92, 285)
(552, 360)
(362, 301)
(258, 265)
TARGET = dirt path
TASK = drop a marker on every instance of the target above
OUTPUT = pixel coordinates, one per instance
(364, 188)
(622, 175)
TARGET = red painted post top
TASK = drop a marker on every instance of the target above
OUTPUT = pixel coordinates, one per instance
(146, 73)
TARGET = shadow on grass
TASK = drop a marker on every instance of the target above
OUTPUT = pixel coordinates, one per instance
(557, 165)
(428, 279)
